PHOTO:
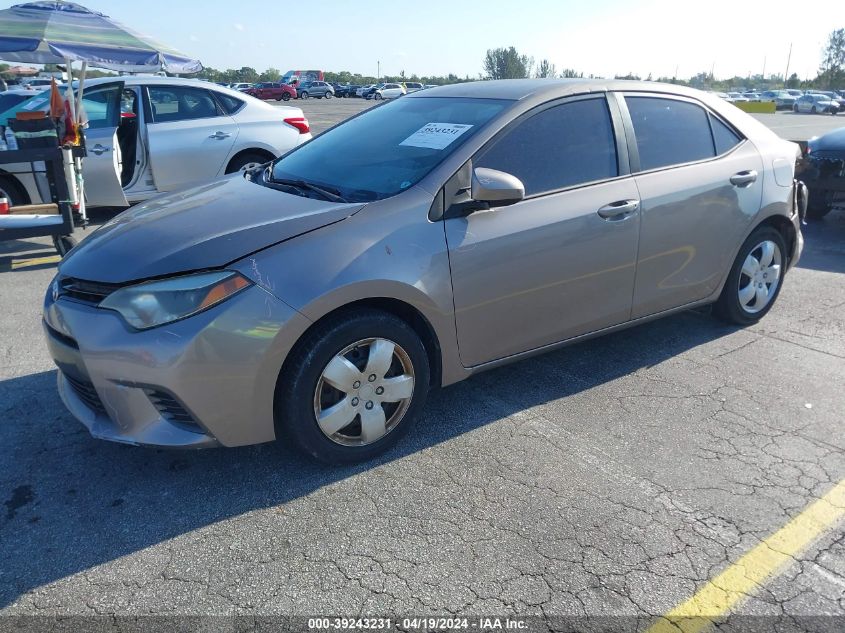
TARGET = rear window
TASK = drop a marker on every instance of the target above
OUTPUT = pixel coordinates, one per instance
(723, 136)
(229, 103)
(670, 132)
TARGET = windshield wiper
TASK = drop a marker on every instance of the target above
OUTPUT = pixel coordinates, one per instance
(325, 193)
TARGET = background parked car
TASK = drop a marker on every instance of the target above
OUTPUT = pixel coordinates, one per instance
(367, 91)
(317, 89)
(832, 95)
(352, 90)
(736, 97)
(240, 86)
(815, 104)
(412, 86)
(782, 99)
(340, 90)
(272, 90)
(388, 91)
(180, 132)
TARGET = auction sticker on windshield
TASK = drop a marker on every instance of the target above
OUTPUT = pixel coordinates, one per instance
(435, 135)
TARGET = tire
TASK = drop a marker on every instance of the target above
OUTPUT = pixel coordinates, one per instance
(795, 108)
(813, 110)
(378, 97)
(329, 95)
(64, 243)
(12, 190)
(819, 204)
(285, 97)
(302, 393)
(304, 95)
(246, 161)
(730, 306)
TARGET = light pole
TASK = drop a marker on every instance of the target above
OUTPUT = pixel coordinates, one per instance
(378, 71)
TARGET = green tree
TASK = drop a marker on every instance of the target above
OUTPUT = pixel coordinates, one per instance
(506, 63)
(832, 69)
(271, 74)
(570, 73)
(545, 70)
(793, 81)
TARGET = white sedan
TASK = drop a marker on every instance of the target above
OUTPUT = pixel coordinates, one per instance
(389, 91)
(148, 135)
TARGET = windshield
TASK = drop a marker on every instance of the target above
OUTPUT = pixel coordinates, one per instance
(395, 146)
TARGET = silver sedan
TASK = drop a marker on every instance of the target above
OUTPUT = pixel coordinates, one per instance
(320, 298)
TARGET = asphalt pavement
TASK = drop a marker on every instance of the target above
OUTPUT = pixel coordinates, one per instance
(618, 477)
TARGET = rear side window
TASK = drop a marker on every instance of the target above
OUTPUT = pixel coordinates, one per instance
(180, 103)
(229, 103)
(669, 132)
(562, 146)
(723, 136)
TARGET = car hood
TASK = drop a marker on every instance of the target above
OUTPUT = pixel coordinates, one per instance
(196, 229)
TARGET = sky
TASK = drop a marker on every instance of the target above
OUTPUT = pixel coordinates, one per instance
(436, 37)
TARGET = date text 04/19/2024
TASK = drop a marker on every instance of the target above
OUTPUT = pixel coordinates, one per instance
(428, 623)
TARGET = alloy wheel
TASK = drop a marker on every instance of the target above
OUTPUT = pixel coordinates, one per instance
(364, 392)
(760, 276)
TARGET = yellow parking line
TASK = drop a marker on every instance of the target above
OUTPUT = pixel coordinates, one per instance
(36, 261)
(737, 582)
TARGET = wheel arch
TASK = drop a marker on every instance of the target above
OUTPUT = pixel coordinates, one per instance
(16, 184)
(784, 226)
(400, 309)
(249, 150)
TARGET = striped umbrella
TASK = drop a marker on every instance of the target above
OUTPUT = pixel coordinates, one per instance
(60, 32)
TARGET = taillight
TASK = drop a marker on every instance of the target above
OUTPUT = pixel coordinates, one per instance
(300, 123)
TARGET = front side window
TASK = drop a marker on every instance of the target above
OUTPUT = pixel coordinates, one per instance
(181, 103)
(102, 106)
(669, 132)
(396, 145)
(562, 146)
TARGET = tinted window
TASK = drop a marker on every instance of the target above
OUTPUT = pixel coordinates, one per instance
(179, 103)
(396, 145)
(724, 137)
(229, 103)
(562, 146)
(669, 132)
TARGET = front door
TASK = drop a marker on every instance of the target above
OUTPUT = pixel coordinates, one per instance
(101, 169)
(701, 184)
(560, 263)
(189, 136)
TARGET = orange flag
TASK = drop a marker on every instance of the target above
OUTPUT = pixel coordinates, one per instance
(57, 106)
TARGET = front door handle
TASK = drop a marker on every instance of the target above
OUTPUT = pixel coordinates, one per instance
(220, 135)
(619, 210)
(99, 149)
(744, 178)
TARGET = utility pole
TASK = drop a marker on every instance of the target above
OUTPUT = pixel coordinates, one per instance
(378, 72)
(764, 68)
(788, 59)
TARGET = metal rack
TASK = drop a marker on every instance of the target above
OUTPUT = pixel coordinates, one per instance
(60, 227)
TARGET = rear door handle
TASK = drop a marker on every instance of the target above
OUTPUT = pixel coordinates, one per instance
(619, 210)
(99, 149)
(220, 135)
(744, 178)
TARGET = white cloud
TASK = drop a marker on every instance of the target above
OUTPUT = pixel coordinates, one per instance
(238, 26)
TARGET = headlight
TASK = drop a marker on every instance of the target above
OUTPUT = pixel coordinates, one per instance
(155, 303)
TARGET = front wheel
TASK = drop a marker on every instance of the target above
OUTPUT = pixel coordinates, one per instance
(813, 110)
(795, 109)
(304, 95)
(755, 279)
(286, 97)
(329, 95)
(352, 387)
(378, 97)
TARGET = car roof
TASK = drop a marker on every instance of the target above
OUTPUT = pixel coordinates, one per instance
(518, 89)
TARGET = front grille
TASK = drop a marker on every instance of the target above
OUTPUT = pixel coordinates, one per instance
(172, 410)
(86, 392)
(85, 291)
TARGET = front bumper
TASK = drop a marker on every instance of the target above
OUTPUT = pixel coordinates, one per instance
(204, 381)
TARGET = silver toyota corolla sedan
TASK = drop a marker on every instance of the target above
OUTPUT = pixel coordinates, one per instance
(318, 298)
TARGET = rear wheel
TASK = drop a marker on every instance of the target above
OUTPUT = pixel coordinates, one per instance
(13, 191)
(245, 162)
(755, 279)
(329, 95)
(813, 110)
(352, 387)
(795, 108)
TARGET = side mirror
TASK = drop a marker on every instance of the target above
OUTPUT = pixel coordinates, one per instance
(496, 187)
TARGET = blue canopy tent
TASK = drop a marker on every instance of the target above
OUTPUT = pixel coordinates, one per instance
(58, 32)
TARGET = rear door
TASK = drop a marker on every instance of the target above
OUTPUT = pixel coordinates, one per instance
(190, 137)
(700, 184)
(102, 168)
